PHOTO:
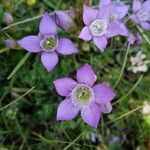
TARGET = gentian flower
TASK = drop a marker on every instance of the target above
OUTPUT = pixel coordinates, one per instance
(141, 13)
(48, 44)
(104, 23)
(83, 96)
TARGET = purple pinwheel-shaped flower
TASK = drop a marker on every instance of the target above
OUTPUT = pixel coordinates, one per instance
(104, 23)
(48, 43)
(91, 100)
(141, 13)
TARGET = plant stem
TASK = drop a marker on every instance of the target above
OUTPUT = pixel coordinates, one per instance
(19, 65)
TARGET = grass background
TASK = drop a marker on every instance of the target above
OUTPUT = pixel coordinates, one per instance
(28, 101)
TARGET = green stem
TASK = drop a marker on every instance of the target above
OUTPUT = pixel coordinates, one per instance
(126, 114)
(19, 65)
(123, 67)
(4, 50)
(15, 101)
(130, 91)
(77, 138)
(145, 37)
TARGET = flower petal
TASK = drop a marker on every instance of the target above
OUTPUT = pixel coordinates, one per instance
(145, 25)
(47, 25)
(102, 3)
(106, 107)
(146, 5)
(89, 14)
(121, 10)
(103, 93)
(106, 12)
(136, 5)
(67, 110)
(63, 20)
(91, 115)
(66, 47)
(86, 75)
(135, 19)
(85, 34)
(49, 60)
(100, 42)
(31, 43)
(64, 86)
(115, 29)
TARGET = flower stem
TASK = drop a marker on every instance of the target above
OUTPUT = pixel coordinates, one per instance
(130, 91)
(15, 101)
(123, 67)
(19, 65)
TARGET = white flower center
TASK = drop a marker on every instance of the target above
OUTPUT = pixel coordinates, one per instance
(82, 94)
(98, 27)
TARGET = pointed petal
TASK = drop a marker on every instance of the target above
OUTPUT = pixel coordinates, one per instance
(103, 93)
(136, 5)
(89, 14)
(106, 107)
(102, 3)
(121, 11)
(86, 75)
(67, 110)
(100, 42)
(47, 25)
(115, 29)
(85, 34)
(31, 43)
(106, 12)
(64, 86)
(146, 5)
(91, 115)
(145, 25)
(49, 60)
(66, 47)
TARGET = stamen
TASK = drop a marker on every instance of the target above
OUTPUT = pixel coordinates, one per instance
(98, 27)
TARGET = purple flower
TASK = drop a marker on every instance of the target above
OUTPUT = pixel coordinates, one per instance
(8, 19)
(63, 20)
(48, 43)
(91, 100)
(141, 13)
(103, 23)
(134, 39)
(10, 43)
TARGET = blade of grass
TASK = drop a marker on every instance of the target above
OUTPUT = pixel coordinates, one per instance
(19, 65)
(123, 67)
(71, 143)
(4, 50)
(15, 101)
(145, 37)
(22, 22)
(130, 91)
(126, 114)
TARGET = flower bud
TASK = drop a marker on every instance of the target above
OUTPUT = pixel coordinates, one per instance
(8, 19)
(10, 43)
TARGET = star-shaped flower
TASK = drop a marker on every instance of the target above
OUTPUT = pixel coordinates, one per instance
(48, 44)
(83, 96)
(104, 23)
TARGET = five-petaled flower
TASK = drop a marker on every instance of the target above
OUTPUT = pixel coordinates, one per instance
(141, 13)
(84, 96)
(104, 23)
(48, 43)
